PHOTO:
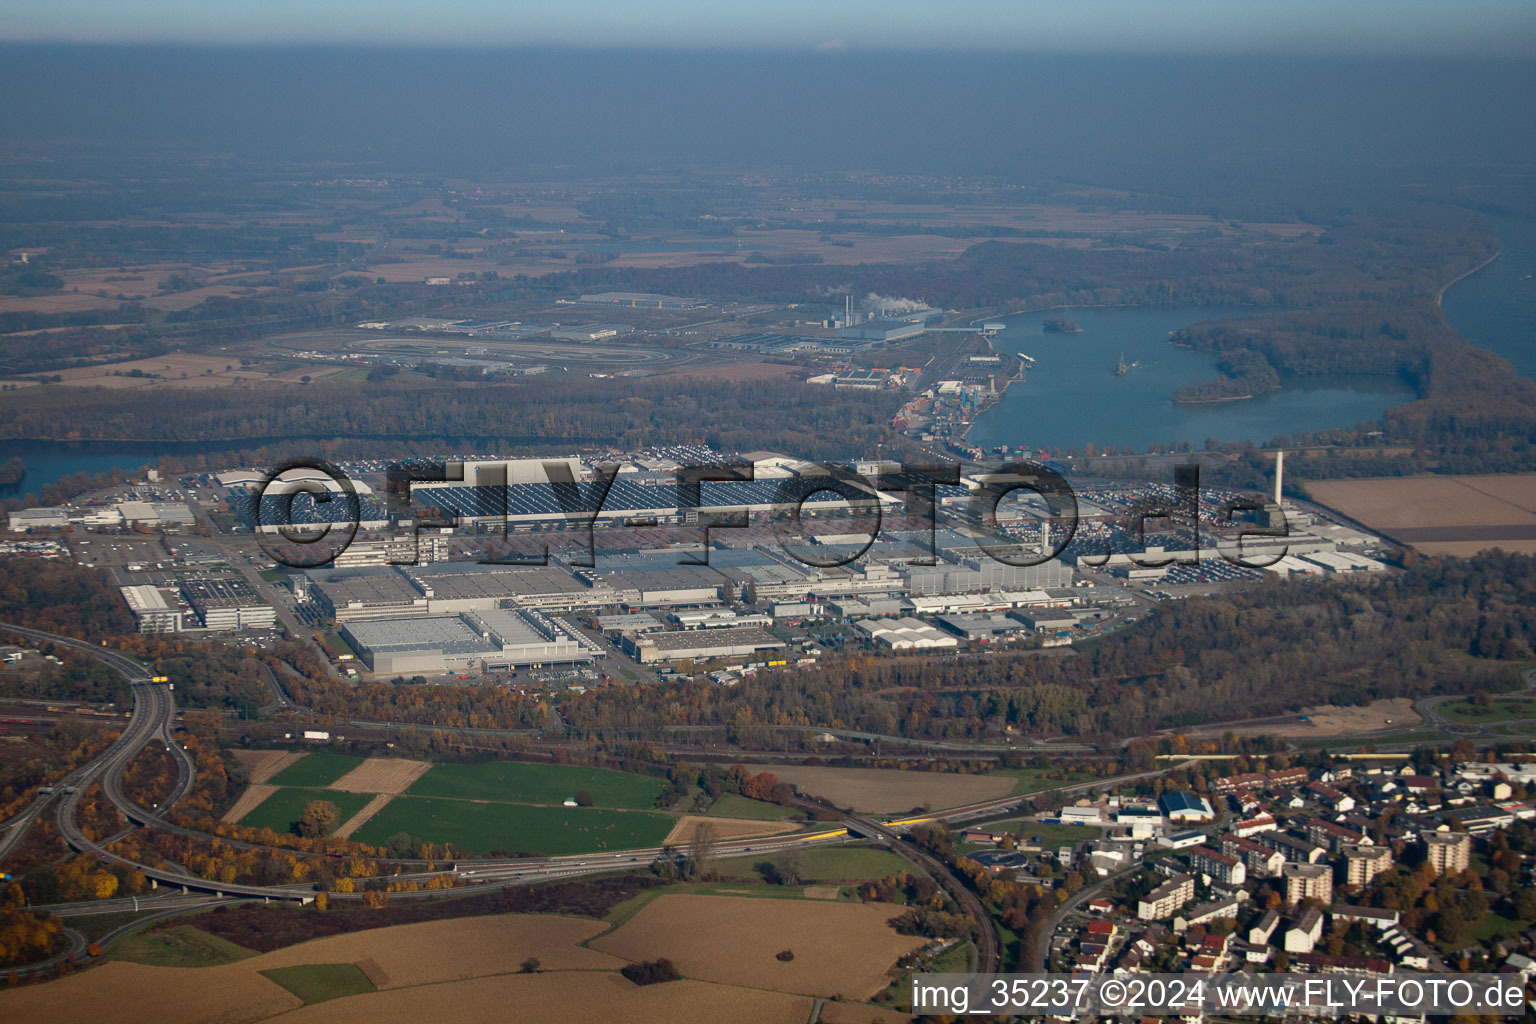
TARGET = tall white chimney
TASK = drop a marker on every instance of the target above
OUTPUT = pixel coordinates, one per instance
(1279, 474)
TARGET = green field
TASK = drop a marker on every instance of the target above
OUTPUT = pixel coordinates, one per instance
(483, 827)
(320, 768)
(1502, 709)
(181, 946)
(732, 806)
(315, 983)
(279, 811)
(1034, 780)
(550, 784)
(825, 864)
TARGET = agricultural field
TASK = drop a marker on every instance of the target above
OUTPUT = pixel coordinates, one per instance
(889, 791)
(261, 765)
(1441, 515)
(517, 783)
(483, 827)
(410, 973)
(552, 996)
(280, 810)
(320, 983)
(255, 794)
(454, 949)
(320, 768)
(842, 949)
(382, 775)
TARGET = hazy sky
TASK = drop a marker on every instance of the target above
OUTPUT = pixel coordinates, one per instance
(1176, 26)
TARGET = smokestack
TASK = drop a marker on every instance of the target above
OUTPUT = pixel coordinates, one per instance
(1279, 474)
(848, 310)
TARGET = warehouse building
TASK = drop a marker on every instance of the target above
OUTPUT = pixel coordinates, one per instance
(477, 641)
(701, 644)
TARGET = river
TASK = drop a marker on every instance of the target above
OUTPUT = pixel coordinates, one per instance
(50, 461)
(1071, 396)
(1495, 308)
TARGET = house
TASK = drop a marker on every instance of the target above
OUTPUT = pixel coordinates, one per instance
(1306, 928)
(1332, 797)
(1101, 931)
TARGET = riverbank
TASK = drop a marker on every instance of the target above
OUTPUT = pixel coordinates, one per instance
(1440, 295)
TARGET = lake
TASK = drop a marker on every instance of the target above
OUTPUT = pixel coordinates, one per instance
(1071, 395)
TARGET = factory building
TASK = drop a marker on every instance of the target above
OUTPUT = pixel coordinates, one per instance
(356, 595)
(638, 300)
(155, 513)
(882, 330)
(39, 519)
(497, 638)
(986, 576)
(590, 332)
(701, 644)
(905, 634)
(152, 610)
(981, 627)
(230, 603)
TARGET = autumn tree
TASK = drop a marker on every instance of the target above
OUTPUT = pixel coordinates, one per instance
(318, 818)
(701, 852)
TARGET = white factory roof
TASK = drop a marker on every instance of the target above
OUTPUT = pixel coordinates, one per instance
(145, 598)
(905, 633)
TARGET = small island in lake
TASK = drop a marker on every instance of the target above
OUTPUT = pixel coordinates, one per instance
(1060, 325)
(12, 471)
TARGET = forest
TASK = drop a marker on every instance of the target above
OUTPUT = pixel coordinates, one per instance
(782, 415)
(1474, 413)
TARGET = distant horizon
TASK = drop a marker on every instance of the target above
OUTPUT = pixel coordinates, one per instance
(1172, 27)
